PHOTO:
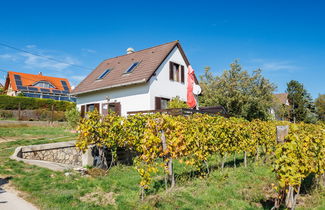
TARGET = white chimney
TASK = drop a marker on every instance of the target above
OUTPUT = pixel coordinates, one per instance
(130, 50)
(40, 73)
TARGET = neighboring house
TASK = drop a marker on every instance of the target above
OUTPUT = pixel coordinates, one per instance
(1, 86)
(38, 86)
(137, 81)
(281, 106)
(282, 98)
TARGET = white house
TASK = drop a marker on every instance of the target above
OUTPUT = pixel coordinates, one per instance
(137, 81)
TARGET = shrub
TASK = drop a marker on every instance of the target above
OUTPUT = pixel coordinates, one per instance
(12, 103)
(4, 114)
(177, 103)
(73, 117)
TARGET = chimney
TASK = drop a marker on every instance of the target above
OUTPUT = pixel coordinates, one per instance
(130, 50)
(40, 73)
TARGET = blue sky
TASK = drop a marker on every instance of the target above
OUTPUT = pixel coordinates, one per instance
(286, 39)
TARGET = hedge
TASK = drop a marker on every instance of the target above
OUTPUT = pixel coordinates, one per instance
(12, 103)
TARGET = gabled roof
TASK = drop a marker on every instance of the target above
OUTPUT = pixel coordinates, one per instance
(149, 60)
(281, 98)
(31, 79)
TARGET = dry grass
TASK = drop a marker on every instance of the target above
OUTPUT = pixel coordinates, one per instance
(99, 198)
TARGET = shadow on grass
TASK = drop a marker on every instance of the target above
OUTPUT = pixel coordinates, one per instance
(4, 181)
(186, 176)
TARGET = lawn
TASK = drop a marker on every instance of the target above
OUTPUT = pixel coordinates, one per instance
(232, 188)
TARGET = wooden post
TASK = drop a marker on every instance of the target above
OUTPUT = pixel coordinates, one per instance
(169, 164)
(19, 110)
(245, 159)
(52, 113)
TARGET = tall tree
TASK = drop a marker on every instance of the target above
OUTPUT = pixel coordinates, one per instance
(320, 106)
(302, 107)
(242, 94)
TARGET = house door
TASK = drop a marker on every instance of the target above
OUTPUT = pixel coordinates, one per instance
(111, 107)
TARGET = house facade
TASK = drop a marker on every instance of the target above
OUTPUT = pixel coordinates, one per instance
(137, 81)
(37, 86)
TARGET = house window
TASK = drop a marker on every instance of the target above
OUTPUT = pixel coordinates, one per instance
(104, 74)
(111, 107)
(176, 72)
(131, 68)
(92, 107)
(43, 84)
(161, 103)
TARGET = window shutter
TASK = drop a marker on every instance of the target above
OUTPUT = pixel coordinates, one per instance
(158, 103)
(118, 108)
(82, 112)
(171, 71)
(182, 74)
(96, 107)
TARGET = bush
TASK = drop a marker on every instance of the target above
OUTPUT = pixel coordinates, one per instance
(73, 117)
(5, 114)
(12, 103)
(177, 103)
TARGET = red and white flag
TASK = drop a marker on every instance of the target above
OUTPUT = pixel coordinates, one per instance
(191, 102)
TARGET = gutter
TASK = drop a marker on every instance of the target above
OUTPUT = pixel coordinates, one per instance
(109, 87)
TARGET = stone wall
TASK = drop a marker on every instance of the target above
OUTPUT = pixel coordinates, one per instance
(65, 155)
(62, 152)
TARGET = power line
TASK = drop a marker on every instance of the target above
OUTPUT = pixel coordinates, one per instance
(42, 56)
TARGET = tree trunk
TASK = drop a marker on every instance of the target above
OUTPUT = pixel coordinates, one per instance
(169, 164)
(257, 154)
(235, 160)
(102, 158)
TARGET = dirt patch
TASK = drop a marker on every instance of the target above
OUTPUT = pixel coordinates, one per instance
(96, 172)
(99, 198)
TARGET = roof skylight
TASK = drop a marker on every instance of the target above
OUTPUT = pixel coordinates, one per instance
(104, 74)
(131, 68)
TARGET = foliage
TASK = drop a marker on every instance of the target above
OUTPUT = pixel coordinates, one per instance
(282, 111)
(73, 117)
(12, 103)
(1, 90)
(243, 95)
(194, 139)
(5, 114)
(320, 106)
(302, 107)
(177, 103)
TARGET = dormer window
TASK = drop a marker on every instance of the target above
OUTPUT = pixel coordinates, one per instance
(43, 84)
(131, 68)
(104, 74)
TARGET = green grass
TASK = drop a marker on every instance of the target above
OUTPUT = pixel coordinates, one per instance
(23, 132)
(232, 188)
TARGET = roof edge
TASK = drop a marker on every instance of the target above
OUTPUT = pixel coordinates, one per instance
(112, 86)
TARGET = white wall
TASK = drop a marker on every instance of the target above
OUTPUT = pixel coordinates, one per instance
(142, 97)
(132, 98)
(161, 86)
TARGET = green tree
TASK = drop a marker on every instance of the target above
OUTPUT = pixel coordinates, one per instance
(302, 107)
(242, 94)
(73, 117)
(320, 106)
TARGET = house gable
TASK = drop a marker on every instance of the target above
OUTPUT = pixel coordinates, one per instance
(149, 60)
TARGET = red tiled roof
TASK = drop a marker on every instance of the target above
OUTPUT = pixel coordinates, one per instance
(150, 59)
(30, 79)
